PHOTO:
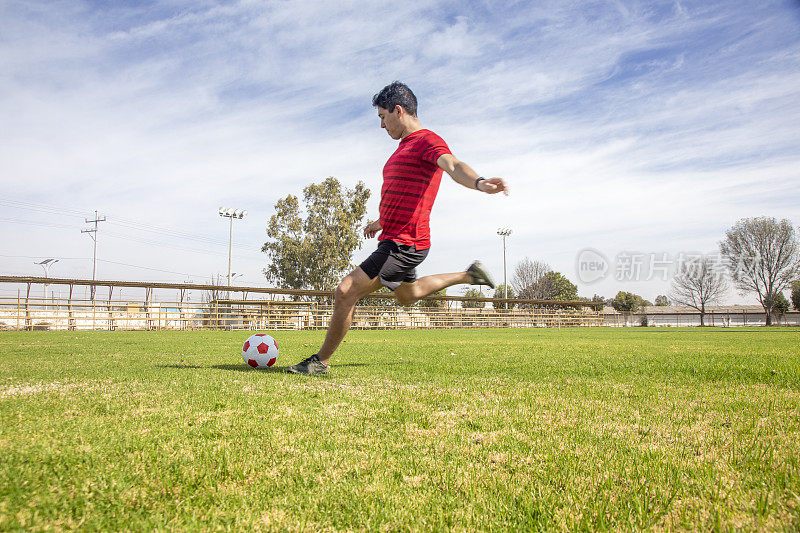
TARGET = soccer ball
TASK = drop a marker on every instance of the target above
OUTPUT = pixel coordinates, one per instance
(260, 350)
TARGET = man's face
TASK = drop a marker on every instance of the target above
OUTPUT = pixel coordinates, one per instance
(390, 121)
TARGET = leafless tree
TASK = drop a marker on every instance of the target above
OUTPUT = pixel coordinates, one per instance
(528, 279)
(212, 295)
(211, 298)
(699, 282)
(763, 257)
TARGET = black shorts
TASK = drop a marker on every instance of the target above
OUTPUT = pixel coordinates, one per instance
(394, 263)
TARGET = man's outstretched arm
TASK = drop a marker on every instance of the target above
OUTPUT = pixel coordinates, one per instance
(463, 174)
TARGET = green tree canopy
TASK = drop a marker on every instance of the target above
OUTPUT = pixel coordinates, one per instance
(371, 301)
(559, 287)
(627, 302)
(662, 300)
(500, 292)
(314, 252)
(434, 303)
(473, 293)
(780, 305)
(796, 295)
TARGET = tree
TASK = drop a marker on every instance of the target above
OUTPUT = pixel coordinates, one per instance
(627, 302)
(473, 293)
(315, 252)
(527, 277)
(762, 256)
(500, 292)
(212, 295)
(535, 280)
(555, 286)
(434, 303)
(662, 301)
(796, 295)
(698, 283)
(780, 305)
(372, 301)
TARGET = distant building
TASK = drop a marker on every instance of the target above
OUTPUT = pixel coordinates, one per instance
(682, 316)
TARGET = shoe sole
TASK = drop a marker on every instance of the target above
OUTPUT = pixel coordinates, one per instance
(481, 273)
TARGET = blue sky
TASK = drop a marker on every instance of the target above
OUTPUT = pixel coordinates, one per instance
(646, 127)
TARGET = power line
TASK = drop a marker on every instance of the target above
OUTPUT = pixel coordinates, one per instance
(36, 223)
(117, 221)
(215, 246)
(204, 240)
(176, 247)
(43, 256)
(110, 262)
(31, 206)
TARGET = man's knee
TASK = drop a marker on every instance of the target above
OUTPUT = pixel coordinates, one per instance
(344, 291)
(352, 288)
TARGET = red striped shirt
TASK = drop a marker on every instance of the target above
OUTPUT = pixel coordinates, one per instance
(411, 180)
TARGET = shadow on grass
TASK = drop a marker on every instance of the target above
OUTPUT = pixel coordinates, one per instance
(372, 364)
(244, 368)
(237, 368)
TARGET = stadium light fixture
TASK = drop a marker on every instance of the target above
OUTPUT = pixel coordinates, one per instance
(231, 213)
(504, 232)
(46, 264)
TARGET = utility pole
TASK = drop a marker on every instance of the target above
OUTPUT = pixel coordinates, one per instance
(92, 232)
(504, 232)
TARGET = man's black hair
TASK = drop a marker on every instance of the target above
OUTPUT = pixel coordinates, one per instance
(394, 94)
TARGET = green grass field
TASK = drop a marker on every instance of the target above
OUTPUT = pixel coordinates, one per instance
(413, 430)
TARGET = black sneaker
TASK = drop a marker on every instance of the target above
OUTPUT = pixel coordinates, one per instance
(479, 274)
(310, 365)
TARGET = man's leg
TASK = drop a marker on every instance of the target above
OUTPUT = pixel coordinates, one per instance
(353, 287)
(408, 293)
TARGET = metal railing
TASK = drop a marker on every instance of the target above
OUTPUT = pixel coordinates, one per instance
(60, 314)
(266, 308)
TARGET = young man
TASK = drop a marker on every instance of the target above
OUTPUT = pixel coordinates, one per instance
(411, 180)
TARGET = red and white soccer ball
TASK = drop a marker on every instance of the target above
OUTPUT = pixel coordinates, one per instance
(260, 350)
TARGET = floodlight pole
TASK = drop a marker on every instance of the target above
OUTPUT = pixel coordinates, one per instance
(230, 252)
(231, 213)
(504, 232)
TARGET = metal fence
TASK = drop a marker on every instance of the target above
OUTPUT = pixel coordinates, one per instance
(39, 314)
(261, 308)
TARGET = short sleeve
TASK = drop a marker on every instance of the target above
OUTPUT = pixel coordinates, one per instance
(434, 149)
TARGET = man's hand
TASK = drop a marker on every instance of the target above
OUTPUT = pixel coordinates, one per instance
(493, 186)
(371, 229)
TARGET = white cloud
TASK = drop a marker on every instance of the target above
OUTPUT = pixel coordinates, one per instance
(637, 125)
